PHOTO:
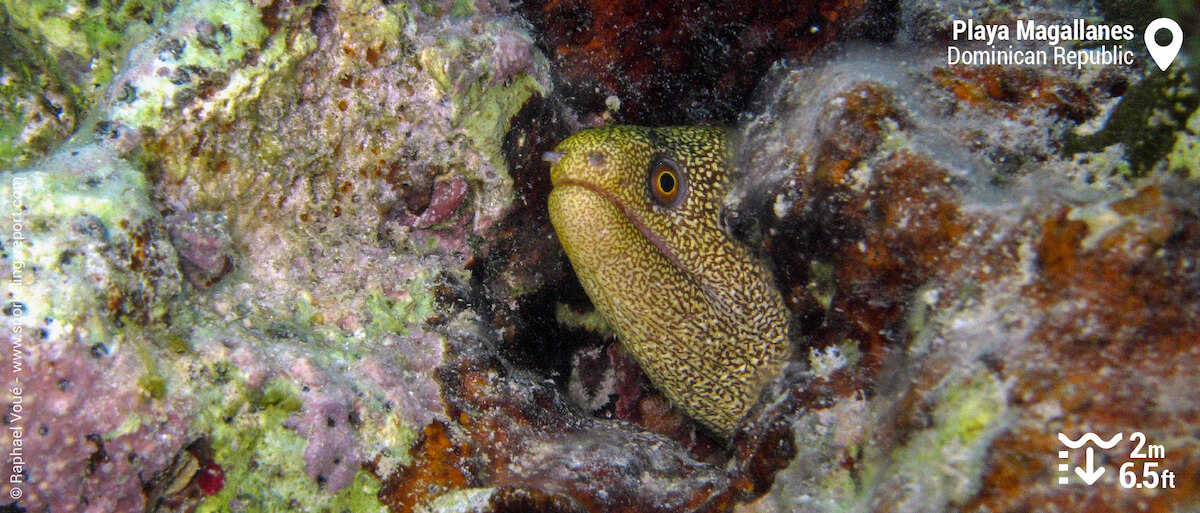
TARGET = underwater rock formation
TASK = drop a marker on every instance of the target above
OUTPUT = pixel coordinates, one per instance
(629, 61)
(293, 255)
(58, 59)
(221, 257)
(973, 288)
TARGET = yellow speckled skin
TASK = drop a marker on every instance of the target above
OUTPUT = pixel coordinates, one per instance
(688, 301)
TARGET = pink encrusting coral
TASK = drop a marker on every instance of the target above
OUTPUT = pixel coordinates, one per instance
(332, 456)
(90, 456)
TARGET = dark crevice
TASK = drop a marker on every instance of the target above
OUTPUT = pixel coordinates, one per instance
(525, 274)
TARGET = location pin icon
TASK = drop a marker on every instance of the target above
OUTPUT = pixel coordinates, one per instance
(1163, 55)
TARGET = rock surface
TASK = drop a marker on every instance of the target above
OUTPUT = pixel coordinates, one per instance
(214, 281)
(972, 283)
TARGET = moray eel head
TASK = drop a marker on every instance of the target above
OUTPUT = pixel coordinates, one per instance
(638, 212)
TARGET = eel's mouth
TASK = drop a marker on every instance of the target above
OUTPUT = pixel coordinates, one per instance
(629, 214)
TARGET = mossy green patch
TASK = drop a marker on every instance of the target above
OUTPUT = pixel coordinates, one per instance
(153, 384)
(79, 198)
(176, 344)
(463, 8)
(1108, 162)
(1185, 155)
(484, 111)
(36, 110)
(1146, 120)
(823, 285)
(591, 321)
(968, 411)
(459, 9)
(944, 462)
(263, 460)
(10, 151)
(946, 459)
(396, 314)
(82, 41)
(208, 54)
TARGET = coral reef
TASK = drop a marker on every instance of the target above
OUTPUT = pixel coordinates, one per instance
(663, 63)
(293, 255)
(513, 431)
(209, 262)
(58, 58)
(997, 297)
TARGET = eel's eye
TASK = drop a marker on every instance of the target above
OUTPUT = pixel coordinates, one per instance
(666, 181)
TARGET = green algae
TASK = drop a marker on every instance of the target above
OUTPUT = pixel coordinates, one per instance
(947, 459)
(36, 114)
(262, 458)
(398, 314)
(463, 8)
(176, 344)
(459, 9)
(1144, 123)
(939, 465)
(80, 198)
(247, 426)
(590, 321)
(210, 55)
(486, 111)
(1185, 154)
(968, 411)
(56, 57)
(83, 41)
(823, 285)
(154, 385)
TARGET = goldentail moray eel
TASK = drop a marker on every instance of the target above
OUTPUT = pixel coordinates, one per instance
(638, 212)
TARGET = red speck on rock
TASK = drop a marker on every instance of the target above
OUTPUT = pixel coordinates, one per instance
(210, 479)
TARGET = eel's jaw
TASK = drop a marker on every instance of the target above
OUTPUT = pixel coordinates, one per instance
(630, 215)
(612, 259)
